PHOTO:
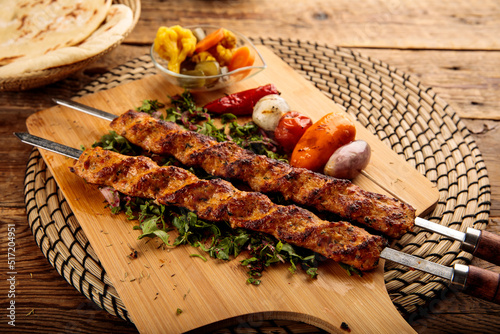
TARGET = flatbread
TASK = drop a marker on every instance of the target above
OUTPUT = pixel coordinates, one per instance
(118, 21)
(36, 27)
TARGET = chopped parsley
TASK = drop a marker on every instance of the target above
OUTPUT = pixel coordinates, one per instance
(219, 240)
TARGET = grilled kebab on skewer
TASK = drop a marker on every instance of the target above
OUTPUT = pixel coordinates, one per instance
(227, 160)
(219, 200)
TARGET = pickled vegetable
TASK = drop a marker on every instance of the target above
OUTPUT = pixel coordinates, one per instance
(210, 40)
(174, 44)
(208, 68)
(349, 160)
(323, 138)
(242, 57)
(199, 33)
(185, 49)
(196, 81)
(201, 70)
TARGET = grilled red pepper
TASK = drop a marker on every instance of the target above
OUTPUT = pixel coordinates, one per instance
(240, 103)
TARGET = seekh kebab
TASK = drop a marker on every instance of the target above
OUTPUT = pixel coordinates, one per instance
(302, 186)
(218, 200)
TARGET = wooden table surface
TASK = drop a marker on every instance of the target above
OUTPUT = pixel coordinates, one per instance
(451, 46)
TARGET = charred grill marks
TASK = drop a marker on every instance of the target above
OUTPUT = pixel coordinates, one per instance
(262, 174)
(227, 160)
(219, 200)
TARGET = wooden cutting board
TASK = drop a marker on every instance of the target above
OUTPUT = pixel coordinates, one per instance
(161, 280)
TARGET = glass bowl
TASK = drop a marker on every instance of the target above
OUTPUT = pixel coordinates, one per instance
(212, 82)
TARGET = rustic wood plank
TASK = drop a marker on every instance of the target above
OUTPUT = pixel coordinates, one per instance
(479, 107)
(42, 293)
(401, 24)
(233, 298)
(453, 312)
(486, 134)
(469, 81)
(469, 85)
(78, 314)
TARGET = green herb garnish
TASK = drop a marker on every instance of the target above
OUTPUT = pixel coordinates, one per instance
(150, 106)
(219, 241)
(351, 270)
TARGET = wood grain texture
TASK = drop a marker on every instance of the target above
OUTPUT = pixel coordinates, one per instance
(399, 24)
(467, 79)
(41, 293)
(151, 292)
(448, 313)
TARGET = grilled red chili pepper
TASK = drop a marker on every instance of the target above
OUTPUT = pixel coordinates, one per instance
(240, 103)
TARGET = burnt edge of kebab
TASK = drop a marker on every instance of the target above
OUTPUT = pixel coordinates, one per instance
(219, 200)
(379, 212)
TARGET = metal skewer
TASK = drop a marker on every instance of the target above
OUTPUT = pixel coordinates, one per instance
(482, 244)
(472, 280)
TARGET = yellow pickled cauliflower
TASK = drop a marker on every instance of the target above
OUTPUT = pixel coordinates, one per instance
(174, 44)
(223, 51)
(229, 40)
(202, 56)
(222, 54)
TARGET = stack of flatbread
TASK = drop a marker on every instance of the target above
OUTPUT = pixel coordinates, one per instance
(40, 34)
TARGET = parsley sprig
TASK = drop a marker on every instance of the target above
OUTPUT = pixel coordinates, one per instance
(219, 241)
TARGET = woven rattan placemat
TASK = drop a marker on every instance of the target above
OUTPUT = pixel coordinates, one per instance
(405, 115)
